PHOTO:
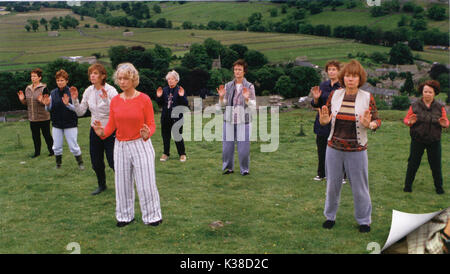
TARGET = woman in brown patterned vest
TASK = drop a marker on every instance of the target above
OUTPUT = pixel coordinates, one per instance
(38, 116)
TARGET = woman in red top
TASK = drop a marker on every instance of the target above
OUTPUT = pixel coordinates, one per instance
(426, 118)
(131, 116)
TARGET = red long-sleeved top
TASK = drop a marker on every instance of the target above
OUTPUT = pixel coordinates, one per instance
(128, 116)
(410, 113)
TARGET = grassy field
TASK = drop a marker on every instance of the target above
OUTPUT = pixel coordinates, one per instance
(20, 49)
(277, 209)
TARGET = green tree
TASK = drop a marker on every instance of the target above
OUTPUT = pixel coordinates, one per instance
(34, 24)
(54, 23)
(255, 59)
(400, 102)
(157, 8)
(28, 28)
(400, 54)
(436, 13)
(403, 21)
(267, 77)
(274, 12)
(416, 44)
(302, 79)
(444, 81)
(284, 87)
(408, 86)
(219, 77)
(44, 23)
(187, 25)
(240, 49)
(197, 57)
(228, 57)
(212, 47)
(377, 11)
(315, 8)
(419, 24)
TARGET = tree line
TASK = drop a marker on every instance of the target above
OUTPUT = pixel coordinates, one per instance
(196, 73)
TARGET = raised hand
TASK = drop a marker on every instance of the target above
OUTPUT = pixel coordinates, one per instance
(412, 119)
(366, 119)
(443, 122)
(246, 93)
(98, 128)
(46, 99)
(21, 95)
(73, 92)
(221, 90)
(104, 94)
(181, 91)
(159, 92)
(324, 116)
(316, 92)
(145, 132)
(65, 99)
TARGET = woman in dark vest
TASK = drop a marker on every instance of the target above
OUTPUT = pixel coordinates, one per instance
(168, 98)
(426, 118)
(64, 119)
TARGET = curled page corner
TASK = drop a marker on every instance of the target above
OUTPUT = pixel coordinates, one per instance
(404, 223)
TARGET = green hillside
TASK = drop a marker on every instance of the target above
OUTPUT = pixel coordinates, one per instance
(21, 49)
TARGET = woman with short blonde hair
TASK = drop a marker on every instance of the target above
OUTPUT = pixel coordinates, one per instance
(129, 71)
(132, 118)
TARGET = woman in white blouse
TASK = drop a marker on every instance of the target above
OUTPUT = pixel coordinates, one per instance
(97, 98)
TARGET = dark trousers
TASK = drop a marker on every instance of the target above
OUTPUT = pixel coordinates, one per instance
(434, 159)
(98, 148)
(166, 132)
(321, 142)
(36, 128)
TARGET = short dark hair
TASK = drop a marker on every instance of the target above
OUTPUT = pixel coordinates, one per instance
(37, 71)
(333, 63)
(432, 84)
(241, 62)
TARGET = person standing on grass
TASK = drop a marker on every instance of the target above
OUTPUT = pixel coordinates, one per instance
(320, 97)
(64, 119)
(97, 99)
(168, 98)
(426, 118)
(237, 96)
(351, 112)
(131, 116)
(38, 116)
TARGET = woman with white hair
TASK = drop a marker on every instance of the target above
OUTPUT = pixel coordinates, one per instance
(131, 116)
(168, 98)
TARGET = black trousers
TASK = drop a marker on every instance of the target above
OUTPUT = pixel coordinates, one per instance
(98, 148)
(166, 132)
(36, 128)
(434, 159)
(321, 142)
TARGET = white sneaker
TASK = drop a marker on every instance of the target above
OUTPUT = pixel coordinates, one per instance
(317, 178)
(344, 181)
(164, 158)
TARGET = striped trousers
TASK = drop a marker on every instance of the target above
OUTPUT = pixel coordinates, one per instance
(134, 161)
